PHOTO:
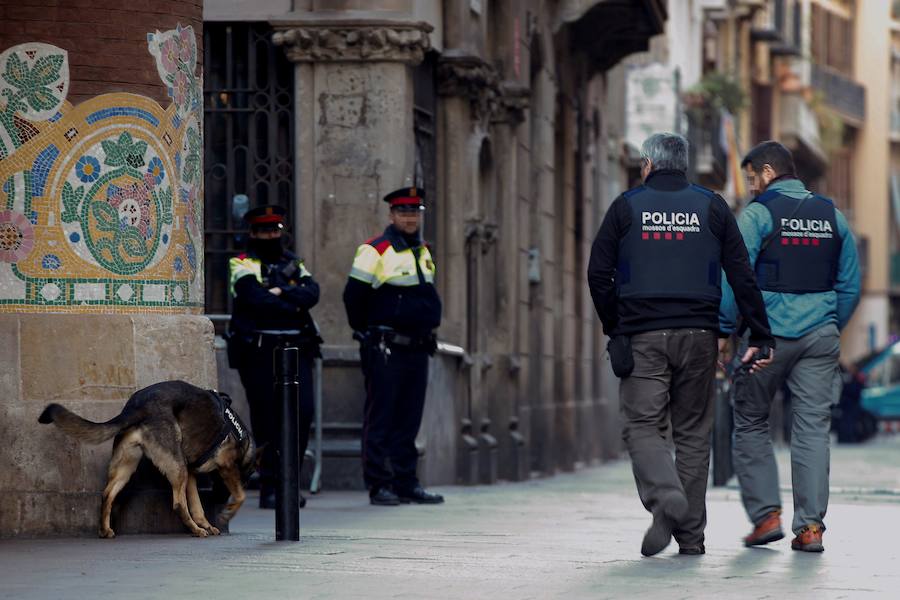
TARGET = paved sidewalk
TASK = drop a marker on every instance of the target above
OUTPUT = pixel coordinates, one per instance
(571, 536)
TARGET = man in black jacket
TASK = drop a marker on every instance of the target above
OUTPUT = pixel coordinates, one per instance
(273, 293)
(394, 308)
(654, 275)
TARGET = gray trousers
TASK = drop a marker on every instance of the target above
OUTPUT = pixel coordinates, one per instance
(671, 387)
(809, 367)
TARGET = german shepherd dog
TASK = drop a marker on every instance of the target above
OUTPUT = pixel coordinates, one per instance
(183, 430)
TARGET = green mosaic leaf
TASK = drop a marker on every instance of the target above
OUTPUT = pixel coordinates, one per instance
(165, 198)
(71, 198)
(46, 69)
(124, 151)
(106, 216)
(114, 156)
(41, 99)
(133, 242)
(16, 73)
(191, 171)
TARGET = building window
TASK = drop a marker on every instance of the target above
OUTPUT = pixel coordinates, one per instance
(424, 109)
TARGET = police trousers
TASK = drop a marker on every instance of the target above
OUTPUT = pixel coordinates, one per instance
(809, 367)
(396, 380)
(671, 391)
(258, 379)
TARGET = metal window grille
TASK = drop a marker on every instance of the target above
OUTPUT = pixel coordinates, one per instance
(248, 140)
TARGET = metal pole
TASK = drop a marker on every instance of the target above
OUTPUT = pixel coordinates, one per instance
(287, 494)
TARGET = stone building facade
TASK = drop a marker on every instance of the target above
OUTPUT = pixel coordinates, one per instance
(510, 114)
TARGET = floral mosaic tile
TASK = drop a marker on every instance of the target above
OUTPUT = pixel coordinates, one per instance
(100, 203)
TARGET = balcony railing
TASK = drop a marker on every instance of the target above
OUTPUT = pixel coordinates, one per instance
(709, 160)
(840, 92)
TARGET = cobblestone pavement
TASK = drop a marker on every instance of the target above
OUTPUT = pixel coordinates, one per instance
(575, 535)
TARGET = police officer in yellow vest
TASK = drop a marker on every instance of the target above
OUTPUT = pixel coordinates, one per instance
(273, 293)
(393, 308)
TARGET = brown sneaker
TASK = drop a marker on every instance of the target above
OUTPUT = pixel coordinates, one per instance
(809, 539)
(767, 530)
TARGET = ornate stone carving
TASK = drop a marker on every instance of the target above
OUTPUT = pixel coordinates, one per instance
(355, 41)
(473, 78)
(513, 102)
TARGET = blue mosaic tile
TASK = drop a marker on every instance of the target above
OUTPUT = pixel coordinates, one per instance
(122, 111)
(41, 168)
(74, 237)
(51, 262)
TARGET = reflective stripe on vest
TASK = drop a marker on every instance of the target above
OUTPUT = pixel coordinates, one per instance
(803, 256)
(241, 267)
(669, 250)
(391, 267)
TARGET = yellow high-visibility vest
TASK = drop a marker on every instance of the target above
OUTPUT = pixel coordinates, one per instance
(382, 264)
(243, 265)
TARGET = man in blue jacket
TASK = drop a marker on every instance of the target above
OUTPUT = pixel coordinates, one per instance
(806, 264)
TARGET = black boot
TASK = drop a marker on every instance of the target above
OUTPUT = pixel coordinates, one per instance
(266, 496)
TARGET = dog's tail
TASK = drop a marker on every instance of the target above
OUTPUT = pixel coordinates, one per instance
(84, 430)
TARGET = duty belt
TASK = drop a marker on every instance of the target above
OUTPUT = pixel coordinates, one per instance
(376, 335)
(300, 337)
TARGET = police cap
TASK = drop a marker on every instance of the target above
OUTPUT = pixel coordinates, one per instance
(268, 216)
(413, 197)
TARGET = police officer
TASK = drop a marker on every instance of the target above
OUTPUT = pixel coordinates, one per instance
(393, 308)
(273, 293)
(807, 267)
(654, 275)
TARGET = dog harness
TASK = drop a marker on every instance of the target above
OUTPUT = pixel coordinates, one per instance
(231, 424)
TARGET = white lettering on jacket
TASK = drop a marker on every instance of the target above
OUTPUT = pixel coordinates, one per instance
(814, 225)
(673, 218)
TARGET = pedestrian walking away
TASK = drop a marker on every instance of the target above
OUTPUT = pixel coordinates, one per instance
(273, 293)
(394, 309)
(655, 275)
(806, 264)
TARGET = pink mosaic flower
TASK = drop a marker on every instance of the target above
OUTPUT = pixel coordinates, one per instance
(144, 225)
(16, 236)
(169, 53)
(187, 46)
(180, 88)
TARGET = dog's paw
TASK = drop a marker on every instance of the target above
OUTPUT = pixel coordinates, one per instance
(107, 533)
(200, 532)
(213, 530)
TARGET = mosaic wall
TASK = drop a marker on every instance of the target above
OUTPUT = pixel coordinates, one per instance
(100, 203)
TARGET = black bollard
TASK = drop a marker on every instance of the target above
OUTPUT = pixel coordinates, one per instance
(287, 494)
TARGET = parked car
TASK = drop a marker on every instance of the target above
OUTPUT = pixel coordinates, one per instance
(881, 393)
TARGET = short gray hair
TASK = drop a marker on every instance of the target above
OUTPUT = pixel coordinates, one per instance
(666, 151)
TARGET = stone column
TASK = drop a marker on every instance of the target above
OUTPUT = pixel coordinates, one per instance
(354, 123)
(354, 144)
(101, 241)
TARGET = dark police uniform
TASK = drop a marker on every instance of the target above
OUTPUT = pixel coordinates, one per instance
(655, 276)
(394, 308)
(260, 322)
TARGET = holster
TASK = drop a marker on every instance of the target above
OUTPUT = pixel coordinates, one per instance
(620, 357)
